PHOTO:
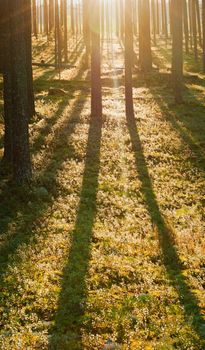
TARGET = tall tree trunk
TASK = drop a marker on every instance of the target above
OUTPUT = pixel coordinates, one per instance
(128, 58)
(186, 26)
(65, 14)
(145, 55)
(154, 21)
(177, 49)
(194, 29)
(72, 17)
(28, 34)
(203, 24)
(17, 107)
(46, 17)
(96, 91)
(51, 15)
(7, 79)
(35, 30)
(198, 21)
(86, 28)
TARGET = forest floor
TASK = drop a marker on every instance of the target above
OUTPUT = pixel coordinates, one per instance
(109, 242)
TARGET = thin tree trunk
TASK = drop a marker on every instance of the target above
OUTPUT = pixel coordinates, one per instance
(186, 27)
(177, 50)
(128, 58)
(96, 93)
(65, 31)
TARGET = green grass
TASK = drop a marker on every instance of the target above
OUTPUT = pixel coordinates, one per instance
(108, 242)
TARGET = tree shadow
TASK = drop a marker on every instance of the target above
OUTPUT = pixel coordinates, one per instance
(24, 210)
(70, 314)
(187, 119)
(190, 125)
(48, 74)
(171, 259)
(71, 88)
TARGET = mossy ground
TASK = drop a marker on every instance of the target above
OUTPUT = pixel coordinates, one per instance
(109, 242)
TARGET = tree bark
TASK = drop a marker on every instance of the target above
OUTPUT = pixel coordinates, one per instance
(17, 106)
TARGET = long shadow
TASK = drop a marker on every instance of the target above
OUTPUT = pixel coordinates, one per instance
(76, 52)
(179, 116)
(190, 125)
(24, 210)
(69, 317)
(171, 259)
(49, 74)
(38, 142)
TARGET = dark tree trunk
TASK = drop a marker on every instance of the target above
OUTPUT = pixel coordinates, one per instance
(203, 24)
(28, 34)
(7, 78)
(17, 106)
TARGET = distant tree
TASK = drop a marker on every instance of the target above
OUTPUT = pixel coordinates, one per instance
(96, 93)
(58, 43)
(51, 15)
(198, 17)
(194, 28)
(65, 14)
(177, 49)
(122, 22)
(153, 4)
(35, 30)
(72, 17)
(45, 12)
(128, 57)
(86, 28)
(186, 25)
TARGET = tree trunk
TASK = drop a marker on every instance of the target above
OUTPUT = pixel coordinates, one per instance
(186, 26)
(194, 29)
(96, 93)
(35, 31)
(17, 106)
(86, 28)
(145, 55)
(128, 58)
(65, 32)
(177, 49)
(203, 24)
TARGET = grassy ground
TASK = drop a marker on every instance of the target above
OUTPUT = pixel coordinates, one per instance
(109, 241)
